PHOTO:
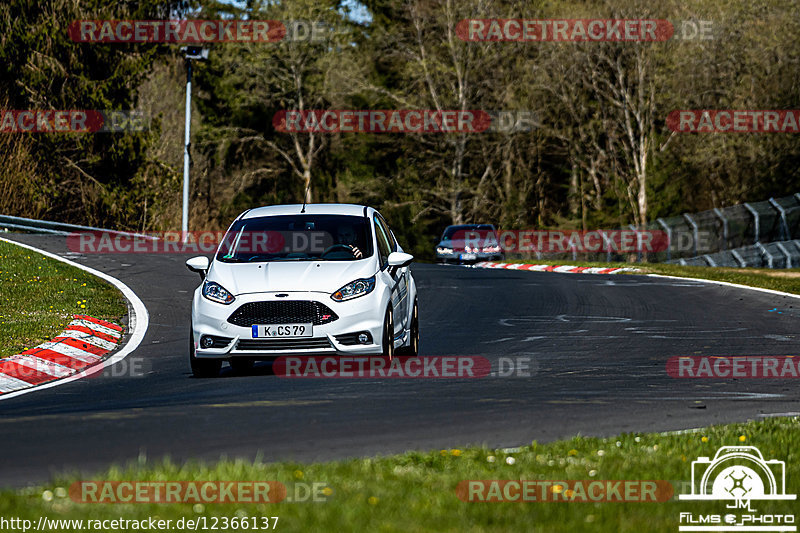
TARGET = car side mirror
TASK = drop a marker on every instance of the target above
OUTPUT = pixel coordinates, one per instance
(400, 259)
(198, 264)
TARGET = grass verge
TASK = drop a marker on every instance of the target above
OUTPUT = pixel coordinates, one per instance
(417, 491)
(39, 295)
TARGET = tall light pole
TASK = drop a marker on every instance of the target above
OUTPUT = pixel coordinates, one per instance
(199, 54)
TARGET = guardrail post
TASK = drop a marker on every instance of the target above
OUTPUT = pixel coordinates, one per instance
(638, 243)
(695, 233)
(770, 262)
(783, 249)
(784, 236)
(757, 222)
(718, 212)
(669, 236)
(607, 243)
(739, 259)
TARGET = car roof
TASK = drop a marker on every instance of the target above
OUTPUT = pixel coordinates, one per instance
(311, 209)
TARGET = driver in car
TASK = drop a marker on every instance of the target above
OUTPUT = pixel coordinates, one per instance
(346, 235)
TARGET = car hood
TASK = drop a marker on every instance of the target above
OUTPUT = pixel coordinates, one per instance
(288, 276)
(457, 244)
(460, 244)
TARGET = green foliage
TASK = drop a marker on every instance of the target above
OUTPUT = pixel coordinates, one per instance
(577, 168)
(83, 175)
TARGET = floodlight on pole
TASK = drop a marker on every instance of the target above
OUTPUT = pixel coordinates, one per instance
(196, 53)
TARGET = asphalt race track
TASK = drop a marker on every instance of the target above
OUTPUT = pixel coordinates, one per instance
(600, 344)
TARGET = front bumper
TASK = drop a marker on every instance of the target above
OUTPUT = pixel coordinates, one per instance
(362, 314)
(468, 257)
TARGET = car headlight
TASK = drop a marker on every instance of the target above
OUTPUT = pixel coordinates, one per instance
(217, 293)
(354, 289)
(441, 250)
(491, 249)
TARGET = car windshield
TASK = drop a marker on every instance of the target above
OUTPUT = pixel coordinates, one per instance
(298, 237)
(483, 232)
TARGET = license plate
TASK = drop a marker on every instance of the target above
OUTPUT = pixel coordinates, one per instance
(282, 330)
(467, 257)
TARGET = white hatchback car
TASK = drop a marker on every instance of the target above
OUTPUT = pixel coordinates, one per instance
(303, 280)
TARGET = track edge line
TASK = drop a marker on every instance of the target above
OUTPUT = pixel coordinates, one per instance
(138, 322)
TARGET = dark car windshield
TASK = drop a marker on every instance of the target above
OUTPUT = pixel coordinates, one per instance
(462, 232)
(298, 237)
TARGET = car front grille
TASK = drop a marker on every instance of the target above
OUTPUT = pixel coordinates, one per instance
(292, 312)
(283, 344)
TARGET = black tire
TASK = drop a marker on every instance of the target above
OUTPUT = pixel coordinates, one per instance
(413, 346)
(202, 368)
(388, 334)
(241, 365)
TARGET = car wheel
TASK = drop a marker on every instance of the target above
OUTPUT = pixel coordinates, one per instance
(202, 368)
(241, 365)
(413, 346)
(388, 334)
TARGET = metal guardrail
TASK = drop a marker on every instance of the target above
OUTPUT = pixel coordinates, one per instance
(750, 231)
(779, 254)
(57, 228)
